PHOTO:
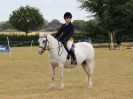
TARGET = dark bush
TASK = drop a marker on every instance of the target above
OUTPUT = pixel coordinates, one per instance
(19, 40)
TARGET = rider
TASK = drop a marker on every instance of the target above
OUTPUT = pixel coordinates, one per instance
(66, 32)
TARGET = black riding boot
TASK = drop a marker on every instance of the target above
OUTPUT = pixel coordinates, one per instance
(65, 46)
(73, 61)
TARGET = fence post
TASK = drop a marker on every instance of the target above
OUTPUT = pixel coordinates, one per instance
(31, 47)
(111, 41)
(9, 46)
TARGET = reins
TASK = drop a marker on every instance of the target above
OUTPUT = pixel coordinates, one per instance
(60, 45)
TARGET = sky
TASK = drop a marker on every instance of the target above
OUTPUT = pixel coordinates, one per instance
(51, 9)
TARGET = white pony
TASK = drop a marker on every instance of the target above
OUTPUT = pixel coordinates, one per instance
(58, 57)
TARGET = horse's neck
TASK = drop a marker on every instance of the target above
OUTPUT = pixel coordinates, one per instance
(54, 44)
(52, 41)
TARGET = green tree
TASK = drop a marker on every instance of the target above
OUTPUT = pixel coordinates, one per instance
(92, 27)
(110, 13)
(54, 25)
(114, 16)
(26, 19)
(5, 25)
(79, 25)
(129, 5)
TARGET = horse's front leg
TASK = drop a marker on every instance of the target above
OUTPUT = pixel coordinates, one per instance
(52, 71)
(61, 68)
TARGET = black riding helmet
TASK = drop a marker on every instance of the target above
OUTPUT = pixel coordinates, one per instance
(67, 14)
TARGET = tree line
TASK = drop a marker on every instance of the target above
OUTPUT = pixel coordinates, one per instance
(107, 17)
(110, 16)
(47, 26)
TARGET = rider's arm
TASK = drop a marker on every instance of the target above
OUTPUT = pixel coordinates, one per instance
(71, 32)
(59, 32)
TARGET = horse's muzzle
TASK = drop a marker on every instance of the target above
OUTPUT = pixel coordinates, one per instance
(41, 51)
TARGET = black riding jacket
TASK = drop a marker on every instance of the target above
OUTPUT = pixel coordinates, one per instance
(66, 32)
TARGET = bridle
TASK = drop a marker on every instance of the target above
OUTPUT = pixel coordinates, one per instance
(45, 45)
(60, 45)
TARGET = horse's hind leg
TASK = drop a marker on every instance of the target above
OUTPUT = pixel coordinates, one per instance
(88, 67)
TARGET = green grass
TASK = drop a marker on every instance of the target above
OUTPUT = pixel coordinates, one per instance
(27, 76)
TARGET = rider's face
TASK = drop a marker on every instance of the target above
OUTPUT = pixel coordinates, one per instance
(68, 19)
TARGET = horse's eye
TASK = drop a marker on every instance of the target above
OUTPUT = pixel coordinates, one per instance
(43, 41)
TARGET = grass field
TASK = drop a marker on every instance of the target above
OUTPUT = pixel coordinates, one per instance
(27, 76)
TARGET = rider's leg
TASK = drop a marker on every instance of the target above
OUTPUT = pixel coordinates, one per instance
(69, 46)
(65, 46)
(74, 61)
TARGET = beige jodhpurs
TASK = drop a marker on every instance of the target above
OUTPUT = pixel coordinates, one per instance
(69, 44)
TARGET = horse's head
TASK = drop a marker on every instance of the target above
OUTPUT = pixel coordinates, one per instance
(43, 42)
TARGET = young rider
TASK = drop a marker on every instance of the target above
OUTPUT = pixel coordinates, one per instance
(66, 32)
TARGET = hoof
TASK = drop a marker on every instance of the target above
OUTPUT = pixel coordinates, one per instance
(90, 86)
(62, 87)
(52, 86)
